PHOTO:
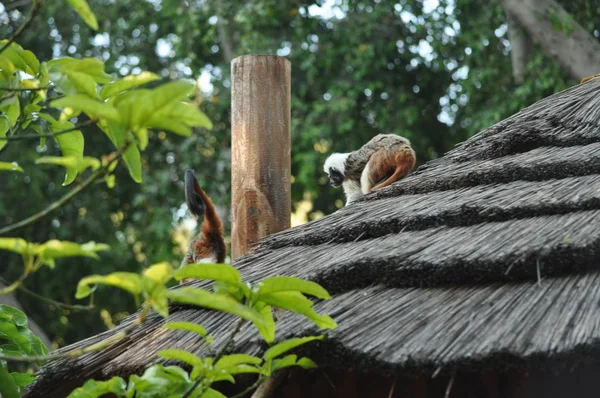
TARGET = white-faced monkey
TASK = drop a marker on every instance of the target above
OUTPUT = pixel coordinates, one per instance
(385, 159)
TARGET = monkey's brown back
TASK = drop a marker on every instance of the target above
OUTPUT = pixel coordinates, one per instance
(357, 160)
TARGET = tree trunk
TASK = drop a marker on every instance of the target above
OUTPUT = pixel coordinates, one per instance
(519, 49)
(559, 35)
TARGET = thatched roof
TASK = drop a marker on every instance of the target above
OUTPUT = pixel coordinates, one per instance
(486, 258)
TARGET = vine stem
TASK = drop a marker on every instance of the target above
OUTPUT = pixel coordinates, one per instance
(69, 195)
(84, 350)
(35, 136)
(73, 307)
(19, 89)
(220, 353)
(15, 285)
(34, 9)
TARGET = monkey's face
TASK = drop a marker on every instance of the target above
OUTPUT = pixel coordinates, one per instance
(336, 178)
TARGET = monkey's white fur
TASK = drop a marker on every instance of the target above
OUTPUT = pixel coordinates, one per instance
(352, 189)
(337, 161)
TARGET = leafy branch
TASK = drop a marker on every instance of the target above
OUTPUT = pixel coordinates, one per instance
(240, 322)
(65, 306)
(34, 9)
(36, 136)
(68, 196)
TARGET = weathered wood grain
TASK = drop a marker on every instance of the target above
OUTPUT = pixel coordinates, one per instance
(260, 159)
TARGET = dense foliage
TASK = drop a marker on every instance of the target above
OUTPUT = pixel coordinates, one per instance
(434, 71)
(52, 102)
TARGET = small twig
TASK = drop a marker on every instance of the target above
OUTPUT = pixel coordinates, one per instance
(16, 4)
(36, 136)
(10, 90)
(449, 388)
(65, 306)
(68, 196)
(266, 389)
(249, 389)
(220, 353)
(15, 285)
(34, 10)
(391, 394)
(539, 273)
(84, 350)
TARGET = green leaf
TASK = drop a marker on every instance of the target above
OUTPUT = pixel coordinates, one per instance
(287, 345)
(241, 369)
(215, 272)
(32, 61)
(10, 167)
(170, 92)
(124, 280)
(285, 362)
(11, 349)
(11, 333)
(267, 330)
(81, 83)
(81, 164)
(289, 283)
(71, 145)
(16, 245)
(90, 66)
(184, 112)
(93, 388)
(83, 9)
(59, 249)
(166, 123)
(211, 393)
(160, 273)
(11, 109)
(228, 361)
(160, 381)
(127, 83)
(8, 387)
(116, 132)
(219, 302)
(15, 316)
(306, 363)
(188, 326)
(159, 301)
(4, 127)
(22, 379)
(92, 107)
(181, 355)
(297, 303)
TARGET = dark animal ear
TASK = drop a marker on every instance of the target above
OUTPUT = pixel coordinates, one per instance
(192, 195)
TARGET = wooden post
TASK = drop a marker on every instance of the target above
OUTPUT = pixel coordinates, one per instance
(260, 149)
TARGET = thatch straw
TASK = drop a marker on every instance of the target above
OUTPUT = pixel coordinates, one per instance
(484, 259)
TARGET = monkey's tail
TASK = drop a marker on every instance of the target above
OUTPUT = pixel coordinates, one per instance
(401, 162)
(201, 206)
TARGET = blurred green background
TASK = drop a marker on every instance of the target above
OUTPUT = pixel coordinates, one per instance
(434, 71)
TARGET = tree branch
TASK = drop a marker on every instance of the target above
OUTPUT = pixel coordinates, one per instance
(34, 9)
(519, 49)
(224, 36)
(558, 33)
(72, 307)
(34, 136)
(68, 196)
